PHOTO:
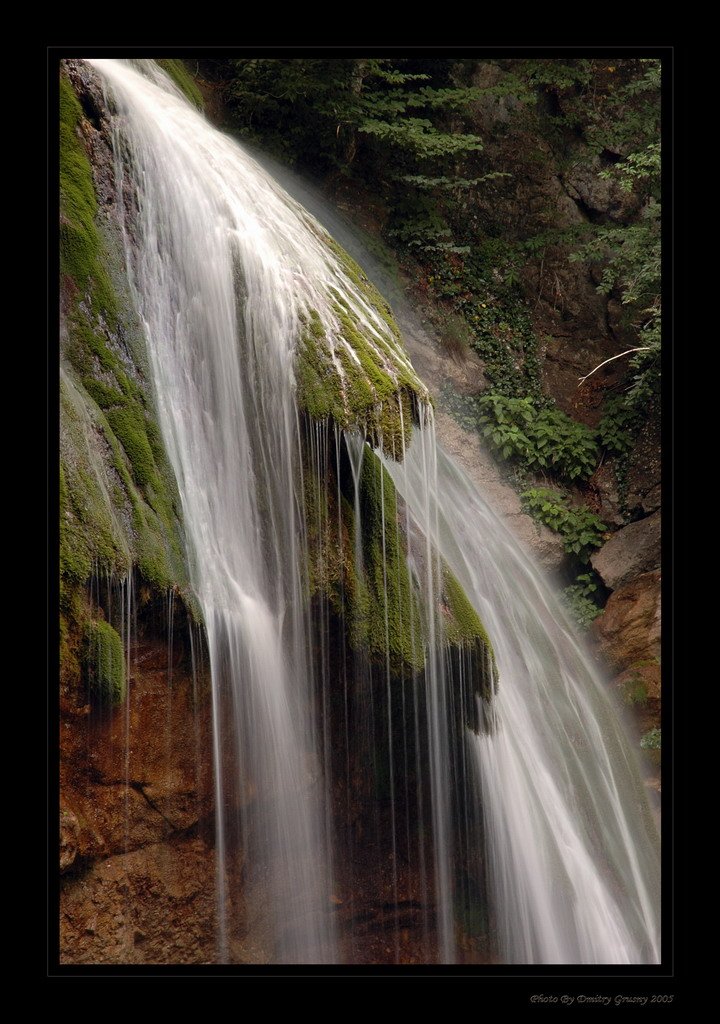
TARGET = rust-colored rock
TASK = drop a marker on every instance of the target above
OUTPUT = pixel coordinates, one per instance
(134, 775)
(628, 631)
(69, 832)
(155, 905)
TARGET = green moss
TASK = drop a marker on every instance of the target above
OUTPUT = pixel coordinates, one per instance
(120, 504)
(376, 597)
(128, 425)
(634, 691)
(319, 387)
(462, 622)
(104, 663)
(386, 612)
(105, 395)
(79, 241)
(469, 645)
(183, 80)
(360, 279)
(361, 378)
(90, 530)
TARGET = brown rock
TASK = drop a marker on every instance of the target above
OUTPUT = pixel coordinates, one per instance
(604, 487)
(643, 678)
(629, 553)
(135, 775)
(69, 832)
(628, 631)
(601, 195)
(154, 905)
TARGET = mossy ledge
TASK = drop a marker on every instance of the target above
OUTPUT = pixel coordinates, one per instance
(374, 595)
(182, 78)
(104, 663)
(119, 504)
(351, 365)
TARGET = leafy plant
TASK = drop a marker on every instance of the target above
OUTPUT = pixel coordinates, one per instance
(651, 740)
(579, 601)
(538, 438)
(581, 530)
(619, 425)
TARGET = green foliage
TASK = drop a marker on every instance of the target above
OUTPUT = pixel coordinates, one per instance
(316, 110)
(619, 425)
(182, 78)
(579, 601)
(104, 663)
(581, 530)
(537, 438)
(651, 740)
(481, 287)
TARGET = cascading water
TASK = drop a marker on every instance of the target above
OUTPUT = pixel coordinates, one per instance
(572, 845)
(228, 271)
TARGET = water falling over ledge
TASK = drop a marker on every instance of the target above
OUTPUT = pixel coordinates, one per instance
(233, 280)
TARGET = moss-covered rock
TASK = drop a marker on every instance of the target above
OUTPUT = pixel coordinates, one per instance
(104, 663)
(368, 585)
(351, 365)
(119, 504)
(182, 78)
(80, 249)
(386, 610)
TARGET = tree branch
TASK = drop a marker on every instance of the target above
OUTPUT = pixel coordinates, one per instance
(641, 348)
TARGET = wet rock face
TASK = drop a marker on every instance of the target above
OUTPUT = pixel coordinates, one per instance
(69, 832)
(630, 552)
(131, 775)
(136, 831)
(154, 905)
(628, 631)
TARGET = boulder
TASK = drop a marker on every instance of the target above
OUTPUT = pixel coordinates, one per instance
(628, 631)
(598, 195)
(629, 553)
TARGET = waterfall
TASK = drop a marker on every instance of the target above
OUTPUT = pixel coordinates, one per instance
(533, 790)
(570, 836)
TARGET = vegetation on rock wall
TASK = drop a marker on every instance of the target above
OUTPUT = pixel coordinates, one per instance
(119, 506)
(369, 586)
(183, 80)
(354, 371)
(104, 661)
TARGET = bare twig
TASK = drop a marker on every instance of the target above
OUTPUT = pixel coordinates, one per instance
(641, 348)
